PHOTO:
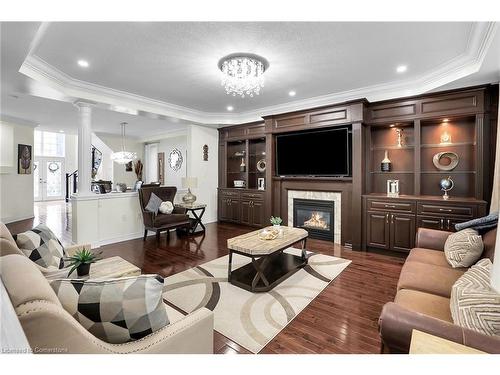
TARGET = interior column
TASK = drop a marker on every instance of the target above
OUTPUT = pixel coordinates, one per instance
(84, 147)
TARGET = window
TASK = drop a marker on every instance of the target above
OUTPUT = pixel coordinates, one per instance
(49, 144)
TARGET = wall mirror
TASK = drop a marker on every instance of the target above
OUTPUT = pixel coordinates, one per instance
(175, 159)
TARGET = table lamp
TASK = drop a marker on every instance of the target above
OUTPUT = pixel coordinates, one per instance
(189, 182)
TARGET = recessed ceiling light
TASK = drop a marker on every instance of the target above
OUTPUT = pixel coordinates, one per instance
(445, 120)
(292, 93)
(83, 63)
(61, 131)
(229, 108)
(401, 68)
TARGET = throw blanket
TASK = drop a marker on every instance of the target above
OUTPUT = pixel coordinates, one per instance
(480, 224)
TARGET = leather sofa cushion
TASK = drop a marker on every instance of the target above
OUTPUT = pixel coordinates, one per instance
(161, 219)
(428, 256)
(428, 278)
(425, 303)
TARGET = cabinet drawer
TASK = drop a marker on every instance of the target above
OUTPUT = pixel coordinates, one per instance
(229, 193)
(254, 196)
(446, 210)
(395, 206)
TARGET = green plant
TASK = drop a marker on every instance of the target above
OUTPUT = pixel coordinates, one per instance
(80, 257)
(276, 220)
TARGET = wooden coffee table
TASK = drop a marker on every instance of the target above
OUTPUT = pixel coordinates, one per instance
(108, 268)
(270, 265)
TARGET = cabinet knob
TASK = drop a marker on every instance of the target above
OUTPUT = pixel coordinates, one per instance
(442, 223)
(387, 218)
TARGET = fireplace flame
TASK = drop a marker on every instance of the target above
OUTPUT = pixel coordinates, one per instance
(316, 221)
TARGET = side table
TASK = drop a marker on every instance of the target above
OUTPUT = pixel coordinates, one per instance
(197, 210)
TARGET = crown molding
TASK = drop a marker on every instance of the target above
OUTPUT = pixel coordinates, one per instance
(469, 62)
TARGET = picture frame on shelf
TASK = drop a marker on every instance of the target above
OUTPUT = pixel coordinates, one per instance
(261, 184)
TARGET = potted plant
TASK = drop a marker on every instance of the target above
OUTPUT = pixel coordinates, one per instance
(81, 261)
(276, 221)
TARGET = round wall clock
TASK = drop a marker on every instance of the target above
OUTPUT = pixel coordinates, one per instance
(449, 156)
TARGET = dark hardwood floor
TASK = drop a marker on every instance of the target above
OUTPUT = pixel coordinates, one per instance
(342, 319)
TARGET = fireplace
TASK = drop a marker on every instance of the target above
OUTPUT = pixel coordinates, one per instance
(316, 216)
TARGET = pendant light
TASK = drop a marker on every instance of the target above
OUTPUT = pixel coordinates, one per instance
(123, 157)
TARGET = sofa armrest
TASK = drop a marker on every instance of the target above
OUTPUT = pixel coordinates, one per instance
(71, 250)
(397, 323)
(431, 238)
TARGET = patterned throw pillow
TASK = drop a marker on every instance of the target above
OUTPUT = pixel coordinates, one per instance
(166, 207)
(116, 310)
(474, 304)
(153, 204)
(464, 248)
(42, 247)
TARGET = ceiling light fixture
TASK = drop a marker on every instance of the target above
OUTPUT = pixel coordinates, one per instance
(242, 74)
(229, 108)
(123, 157)
(292, 93)
(83, 63)
(401, 69)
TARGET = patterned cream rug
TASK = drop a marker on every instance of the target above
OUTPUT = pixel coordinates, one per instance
(251, 320)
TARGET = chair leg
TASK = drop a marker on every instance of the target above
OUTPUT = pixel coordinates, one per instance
(168, 234)
(145, 234)
(157, 237)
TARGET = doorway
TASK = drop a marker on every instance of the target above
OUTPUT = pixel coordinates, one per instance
(48, 173)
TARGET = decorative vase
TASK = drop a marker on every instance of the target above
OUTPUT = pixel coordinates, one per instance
(189, 198)
(385, 164)
(242, 165)
(83, 269)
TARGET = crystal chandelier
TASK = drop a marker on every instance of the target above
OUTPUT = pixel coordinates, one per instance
(243, 74)
(123, 157)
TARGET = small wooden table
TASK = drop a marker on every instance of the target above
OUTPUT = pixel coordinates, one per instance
(108, 268)
(424, 343)
(270, 265)
(196, 220)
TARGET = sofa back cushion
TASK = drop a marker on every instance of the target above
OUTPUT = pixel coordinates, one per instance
(7, 243)
(463, 248)
(116, 310)
(24, 281)
(473, 303)
(41, 246)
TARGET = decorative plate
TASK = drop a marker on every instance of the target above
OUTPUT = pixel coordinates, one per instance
(261, 165)
(453, 157)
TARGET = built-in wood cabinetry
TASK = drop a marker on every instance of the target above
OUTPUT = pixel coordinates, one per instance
(391, 223)
(369, 218)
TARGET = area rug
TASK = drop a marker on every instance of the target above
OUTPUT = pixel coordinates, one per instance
(251, 320)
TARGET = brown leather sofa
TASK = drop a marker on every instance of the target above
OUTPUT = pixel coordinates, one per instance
(162, 222)
(423, 294)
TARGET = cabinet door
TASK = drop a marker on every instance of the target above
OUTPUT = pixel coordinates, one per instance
(258, 216)
(224, 209)
(430, 222)
(234, 210)
(246, 214)
(377, 229)
(402, 232)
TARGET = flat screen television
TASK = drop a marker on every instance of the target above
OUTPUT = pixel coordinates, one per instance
(315, 153)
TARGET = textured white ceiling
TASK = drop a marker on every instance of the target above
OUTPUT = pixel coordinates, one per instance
(177, 62)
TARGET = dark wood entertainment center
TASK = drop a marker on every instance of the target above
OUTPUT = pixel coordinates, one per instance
(371, 219)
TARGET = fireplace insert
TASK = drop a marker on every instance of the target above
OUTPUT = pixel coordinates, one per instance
(315, 216)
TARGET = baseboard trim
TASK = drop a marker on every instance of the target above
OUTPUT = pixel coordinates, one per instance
(9, 220)
(109, 241)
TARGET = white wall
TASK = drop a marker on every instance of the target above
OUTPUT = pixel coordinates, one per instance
(167, 145)
(205, 171)
(16, 190)
(119, 173)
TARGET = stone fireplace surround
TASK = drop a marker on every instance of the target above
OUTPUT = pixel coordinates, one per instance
(319, 195)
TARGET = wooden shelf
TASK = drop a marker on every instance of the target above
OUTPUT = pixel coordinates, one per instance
(447, 172)
(392, 147)
(454, 144)
(392, 172)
